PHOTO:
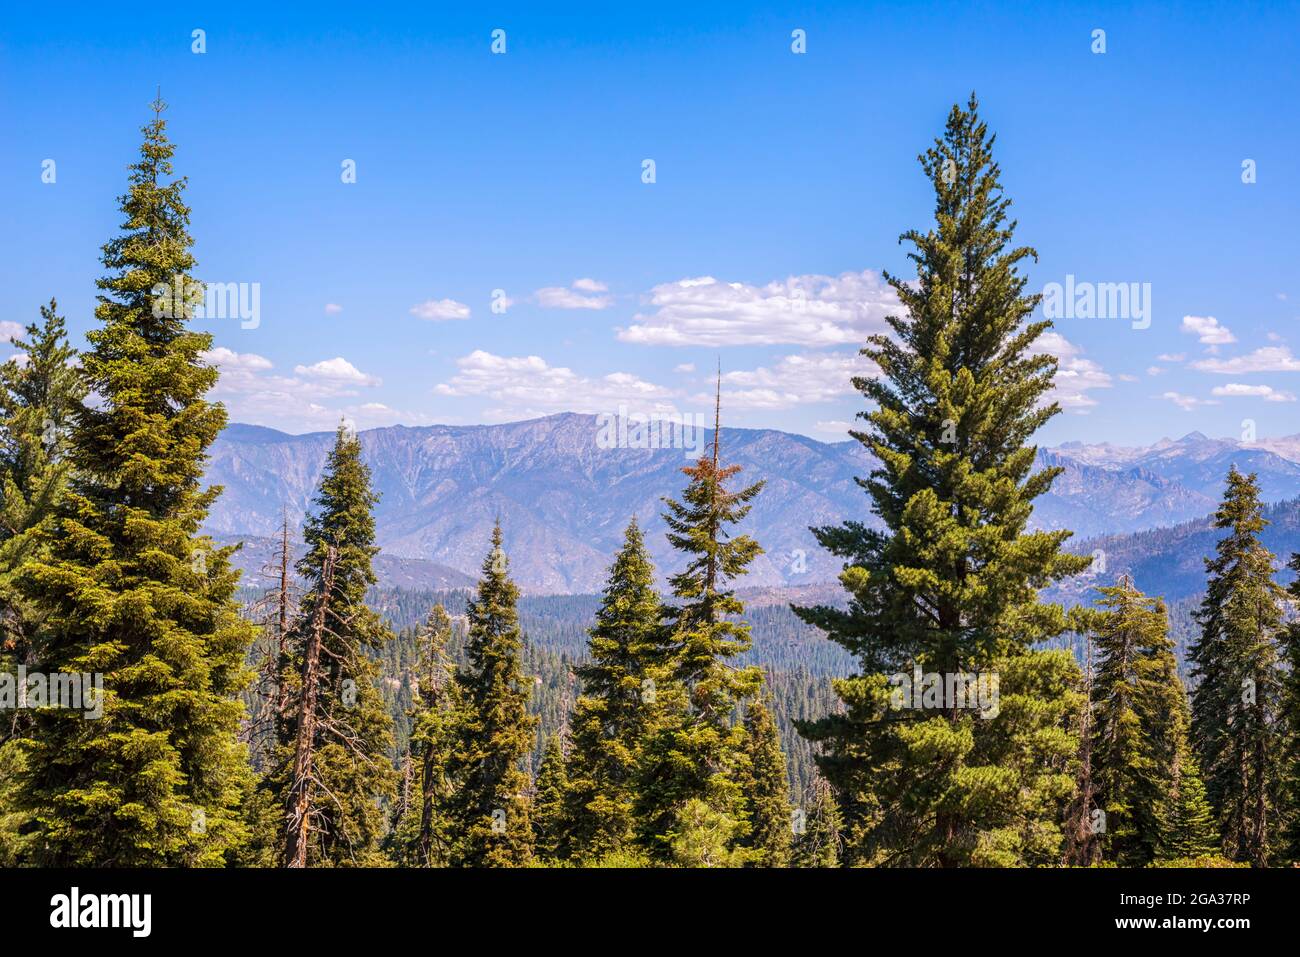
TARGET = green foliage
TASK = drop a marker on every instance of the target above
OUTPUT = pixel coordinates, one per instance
(702, 836)
(693, 753)
(123, 584)
(618, 708)
(549, 819)
(491, 807)
(1236, 703)
(1139, 731)
(818, 845)
(352, 746)
(951, 583)
(764, 783)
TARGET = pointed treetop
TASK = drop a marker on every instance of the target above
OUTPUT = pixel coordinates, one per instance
(158, 105)
(717, 414)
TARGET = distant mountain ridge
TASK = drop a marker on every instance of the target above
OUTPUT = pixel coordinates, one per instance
(563, 500)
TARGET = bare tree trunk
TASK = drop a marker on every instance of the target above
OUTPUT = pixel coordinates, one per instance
(300, 791)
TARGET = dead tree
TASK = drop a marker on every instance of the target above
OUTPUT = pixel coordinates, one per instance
(301, 788)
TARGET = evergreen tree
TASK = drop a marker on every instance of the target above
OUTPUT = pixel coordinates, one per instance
(618, 708)
(549, 822)
(817, 842)
(694, 753)
(494, 826)
(37, 398)
(1235, 705)
(950, 584)
(1137, 736)
(766, 789)
(336, 764)
(437, 719)
(127, 588)
(1191, 831)
(1289, 787)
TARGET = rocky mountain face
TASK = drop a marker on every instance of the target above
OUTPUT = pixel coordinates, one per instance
(563, 499)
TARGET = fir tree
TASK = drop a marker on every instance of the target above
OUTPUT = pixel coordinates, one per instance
(1289, 787)
(618, 708)
(1191, 831)
(434, 736)
(1137, 737)
(337, 767)
(127, 588)
(1235, 704)
(951, 582)
(694, 753)
(37, 398)
(766, 789)
(549, 822)
(494, 826)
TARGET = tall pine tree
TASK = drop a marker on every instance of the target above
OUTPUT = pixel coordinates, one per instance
(336, 762)
(693, 755)
(127, 587)
(1235, 705)
(767, 790)
(492, 813)
(619, 705)
(950, 584)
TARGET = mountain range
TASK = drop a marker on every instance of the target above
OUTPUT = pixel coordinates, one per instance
(563, 500)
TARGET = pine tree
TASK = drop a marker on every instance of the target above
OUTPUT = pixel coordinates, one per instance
(694, 753)
(549, 821)
(1289, 787)
(127, 587)
(37, 399)
(1235, 705)
(951, 582)
(1137, 736)
(493, 821)
(434, 736)
(336, 765)
(817, 839)
(618, 708)
(1191, 830)
(766, 789)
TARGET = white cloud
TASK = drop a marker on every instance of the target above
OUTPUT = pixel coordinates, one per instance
(1266, 359)
(307, 401)
(332, 308)
(577, 296)
(1265, 392)
(834, 427)
(1207, 330)
(337, 369)
(1171, 357)
(1187, 403)
(440, 310)
(528, 385)
(9, 331)
(1075, 375)
(796, 380)
(685, 367)
(811, 310)
(228, 359)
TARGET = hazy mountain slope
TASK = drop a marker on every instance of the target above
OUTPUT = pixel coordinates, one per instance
(563, 501)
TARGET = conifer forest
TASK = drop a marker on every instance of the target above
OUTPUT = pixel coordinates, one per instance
(552, 618)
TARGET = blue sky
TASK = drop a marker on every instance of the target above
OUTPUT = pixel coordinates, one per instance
(782, 184)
